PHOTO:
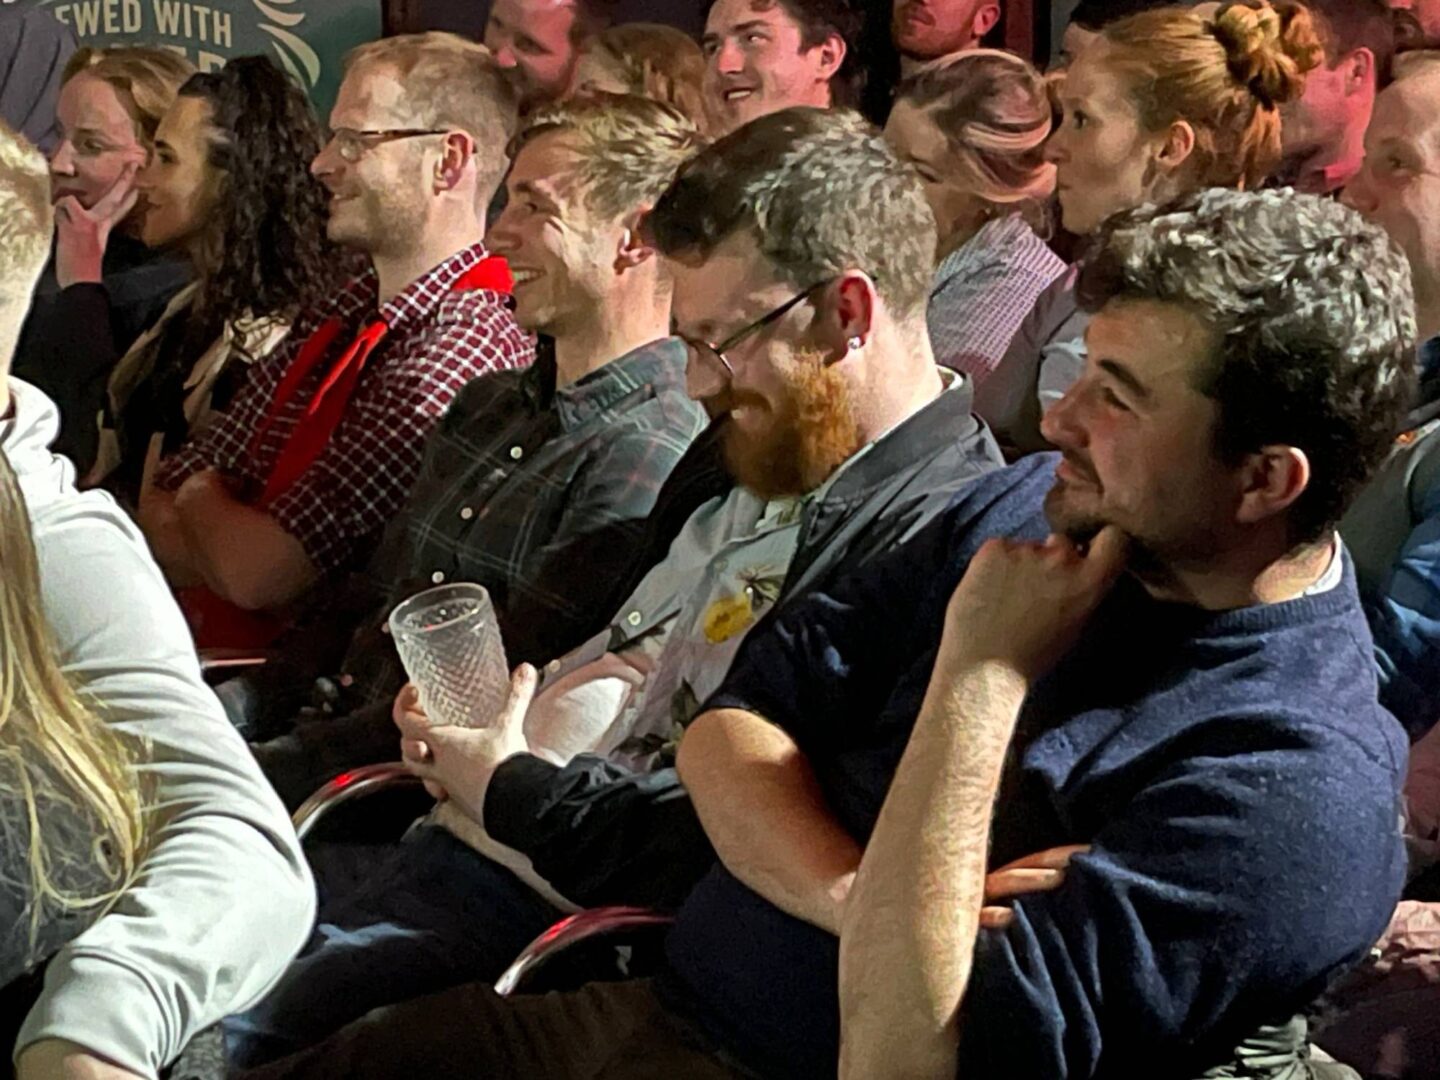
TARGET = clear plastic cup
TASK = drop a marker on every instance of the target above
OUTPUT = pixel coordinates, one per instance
(450, 645)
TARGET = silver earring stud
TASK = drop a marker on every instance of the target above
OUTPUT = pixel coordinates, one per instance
(854, 343)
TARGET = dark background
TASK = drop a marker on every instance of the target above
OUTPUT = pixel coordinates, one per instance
(1027, 27)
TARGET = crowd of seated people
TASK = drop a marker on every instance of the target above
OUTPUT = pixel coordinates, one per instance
(972, 569)
(293, 484)
(152, 882)
(228, 185)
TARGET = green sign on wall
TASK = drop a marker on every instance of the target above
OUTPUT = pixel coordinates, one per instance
(308, 37)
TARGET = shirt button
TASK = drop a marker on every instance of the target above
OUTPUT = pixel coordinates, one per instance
(634, 618)
(438, 576)
(385, 628)
(553, 666)
(466, 513)
(516, 453)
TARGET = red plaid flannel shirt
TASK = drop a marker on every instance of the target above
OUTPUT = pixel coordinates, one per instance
(438, 341)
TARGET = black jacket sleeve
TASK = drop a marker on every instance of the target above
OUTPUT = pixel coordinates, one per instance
(74, 349)
(599, 833)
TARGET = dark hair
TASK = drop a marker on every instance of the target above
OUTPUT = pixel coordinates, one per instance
(1409, 34)
(1314, 308)
(1347, 25)
(818, 20)
(821, 193)
(591, 17)
(265, 252)
(1095, 15)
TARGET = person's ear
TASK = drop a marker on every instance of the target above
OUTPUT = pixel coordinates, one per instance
(831, 57)
(632, 248)
(1179, 144)
(849, 319)
(455, 155)
(1358, 69)
(985, 20)
(1271, 479)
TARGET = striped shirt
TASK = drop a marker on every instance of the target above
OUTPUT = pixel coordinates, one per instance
(982, 292)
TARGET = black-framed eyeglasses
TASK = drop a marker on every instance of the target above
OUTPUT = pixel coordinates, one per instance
(712, 352)
(352, 145)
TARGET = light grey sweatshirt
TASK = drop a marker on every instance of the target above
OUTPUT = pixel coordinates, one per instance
(224, 900)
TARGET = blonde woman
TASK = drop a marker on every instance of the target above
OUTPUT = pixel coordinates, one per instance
(103, 287)
(974, 130)
(72, 819)
(647, 60)
(1159, 105)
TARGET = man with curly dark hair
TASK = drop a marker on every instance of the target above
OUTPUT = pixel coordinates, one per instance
(298, 478)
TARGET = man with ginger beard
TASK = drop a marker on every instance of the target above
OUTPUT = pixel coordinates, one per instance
(804, 318)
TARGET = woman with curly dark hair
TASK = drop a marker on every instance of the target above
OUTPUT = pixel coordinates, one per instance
(229, 187)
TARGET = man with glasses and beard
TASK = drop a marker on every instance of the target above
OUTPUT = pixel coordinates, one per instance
(1150, 644)
(1155, 648)
(801, 249)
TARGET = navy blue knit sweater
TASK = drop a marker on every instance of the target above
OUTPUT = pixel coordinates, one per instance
(1234, 772)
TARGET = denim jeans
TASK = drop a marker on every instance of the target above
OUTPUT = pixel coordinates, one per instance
(426, 915)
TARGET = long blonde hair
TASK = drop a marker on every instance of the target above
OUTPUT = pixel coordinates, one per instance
(1227, 77)
(58, 749)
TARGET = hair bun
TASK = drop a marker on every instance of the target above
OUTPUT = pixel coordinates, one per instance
(1269, 49)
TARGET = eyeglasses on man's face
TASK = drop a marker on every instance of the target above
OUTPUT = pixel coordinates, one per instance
(352, 145)
(712, 356)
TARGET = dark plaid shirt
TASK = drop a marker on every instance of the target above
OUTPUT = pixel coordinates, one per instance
(539, 495)
(439, 339)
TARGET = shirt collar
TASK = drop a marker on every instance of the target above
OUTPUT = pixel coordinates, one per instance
(418, 301)
(944, 421)
(422, 297)
(1334, 569)
(659, 364)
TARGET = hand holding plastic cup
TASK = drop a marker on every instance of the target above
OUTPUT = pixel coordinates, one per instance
(450, 645)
